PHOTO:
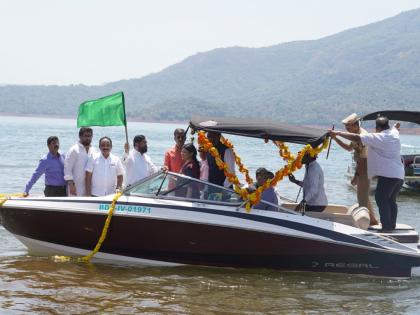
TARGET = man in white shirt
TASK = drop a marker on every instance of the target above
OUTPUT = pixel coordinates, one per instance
(104, 171)
(383, 162)
(138, 163)
(75, 162)
(314, 196)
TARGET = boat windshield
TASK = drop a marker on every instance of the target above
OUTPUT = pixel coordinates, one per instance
(173, 185)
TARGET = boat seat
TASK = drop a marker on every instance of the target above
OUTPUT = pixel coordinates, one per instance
(289, 205)
(354, 216)
(331, 208)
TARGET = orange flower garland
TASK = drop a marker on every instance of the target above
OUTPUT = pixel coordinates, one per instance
(238, 160)
(253, 198)
(284, 151)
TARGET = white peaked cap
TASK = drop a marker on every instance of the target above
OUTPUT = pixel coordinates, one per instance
(351, 119)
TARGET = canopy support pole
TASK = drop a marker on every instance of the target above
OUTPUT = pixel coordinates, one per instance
(186, 131)
(329, 145)
(297, 197)
(126, 133)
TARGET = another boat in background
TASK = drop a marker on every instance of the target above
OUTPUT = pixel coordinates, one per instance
(412, 172)
(411, 179)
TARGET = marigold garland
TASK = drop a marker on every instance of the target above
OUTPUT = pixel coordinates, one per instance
(284, 151)
(87, 258)
(293, 164)
(104, 232)
(5, 197)
(102, 237)
(238, 160)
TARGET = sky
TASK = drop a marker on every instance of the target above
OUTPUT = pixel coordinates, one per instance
(98, 41)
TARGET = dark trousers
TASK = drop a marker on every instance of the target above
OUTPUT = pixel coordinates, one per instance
(55, 191)
(315, 208)
(386, 194)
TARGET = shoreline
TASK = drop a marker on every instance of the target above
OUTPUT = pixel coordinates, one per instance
(72, 117)
(404, 131)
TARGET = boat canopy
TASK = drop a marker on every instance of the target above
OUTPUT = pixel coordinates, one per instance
(401, 115)
(264, 129)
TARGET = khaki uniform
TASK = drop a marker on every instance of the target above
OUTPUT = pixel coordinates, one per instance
(363, 182)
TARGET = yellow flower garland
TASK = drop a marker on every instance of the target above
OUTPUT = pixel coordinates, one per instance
(5, 197)
(255, 197)
(87, 258)
(238, 160)
(284, 151)
(104, 233)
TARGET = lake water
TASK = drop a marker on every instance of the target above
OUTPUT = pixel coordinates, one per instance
(39, 285)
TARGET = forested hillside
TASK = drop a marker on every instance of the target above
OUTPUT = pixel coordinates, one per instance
(364, 69)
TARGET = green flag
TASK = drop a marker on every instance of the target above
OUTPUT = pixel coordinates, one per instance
(105, 111)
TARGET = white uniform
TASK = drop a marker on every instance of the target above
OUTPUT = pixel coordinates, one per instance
(74, 166)
(104, 173)
(138, 166)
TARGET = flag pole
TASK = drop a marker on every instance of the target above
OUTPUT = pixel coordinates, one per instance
(125, 118)
(126, 133)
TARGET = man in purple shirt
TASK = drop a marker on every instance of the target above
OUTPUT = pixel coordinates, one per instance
(52, 165)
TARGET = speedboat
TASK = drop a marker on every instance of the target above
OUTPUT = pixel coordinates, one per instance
(412, 172)
(155, 223)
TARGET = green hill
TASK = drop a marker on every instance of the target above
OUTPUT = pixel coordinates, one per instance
(364, 69)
